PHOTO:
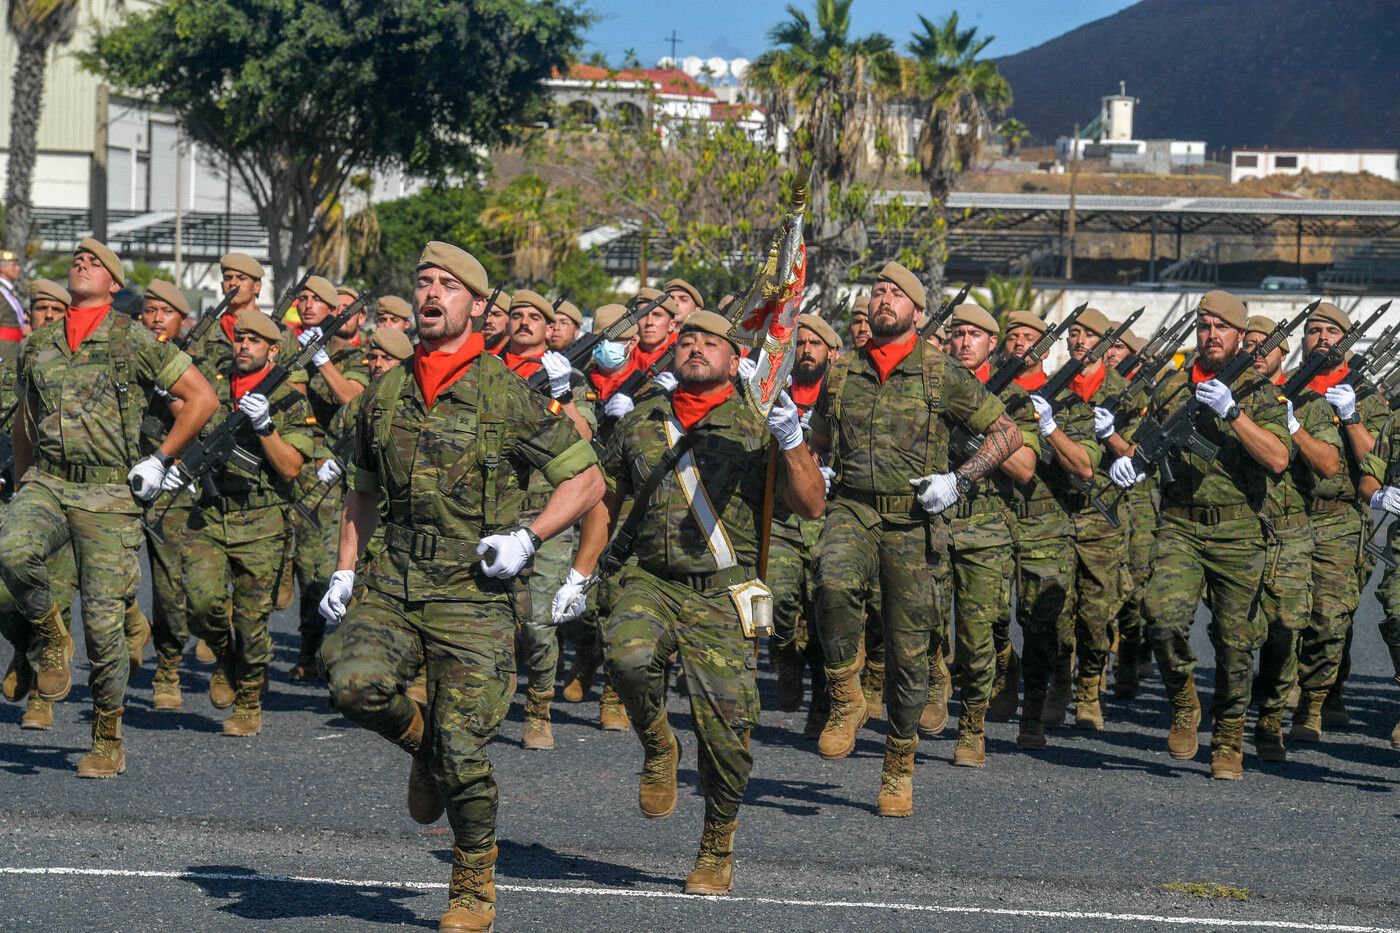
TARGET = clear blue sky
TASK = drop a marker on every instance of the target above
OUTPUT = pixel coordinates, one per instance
(734, 28)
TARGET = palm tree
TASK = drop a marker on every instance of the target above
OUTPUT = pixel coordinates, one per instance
(38, 26)
(1014, 131)
(539, 224)
(959, 95)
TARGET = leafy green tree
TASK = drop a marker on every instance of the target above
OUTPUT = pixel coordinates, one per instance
(389, 258)
(1014, 131)
(299, 96)
(538, 225)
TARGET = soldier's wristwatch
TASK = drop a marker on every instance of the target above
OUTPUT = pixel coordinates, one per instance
(535, 539)
(1232, 413)
(1354, 419)
(964, 485)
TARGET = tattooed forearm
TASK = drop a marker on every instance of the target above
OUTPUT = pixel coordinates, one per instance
(1002, 440)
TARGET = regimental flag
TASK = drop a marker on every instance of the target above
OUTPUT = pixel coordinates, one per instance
(775, 302)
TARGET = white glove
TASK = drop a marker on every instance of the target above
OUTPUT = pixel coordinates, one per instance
(513, 551)
(784, 423)
(1388, 498)
(312, 333)
(1216, 396)
(329, 471)
(1103, 423)
(747, 367)
(337, 596)
(146, 478)
(1343, 398)
(1293, 425)
(1046, 412)
(569, 599)
(937, 491)
(667, 380)
(557, 366)
(256, 407)
(828, 474)
(618, 405)
(175, 478)
(1125, 473)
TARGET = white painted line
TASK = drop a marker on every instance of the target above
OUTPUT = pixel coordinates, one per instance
(676, 895)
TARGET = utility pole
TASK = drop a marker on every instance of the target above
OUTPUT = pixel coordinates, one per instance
(1073, 183)
(97, 172)
(179, 208)
(674, 40)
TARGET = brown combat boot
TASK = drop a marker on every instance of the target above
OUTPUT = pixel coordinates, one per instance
(202, 652)
(246, 719)
(612, 715)
(221, 680)
(580, 679)
(53, 680)
(789, 664)
(1088, 712)
(1395, 736)
(714, 866)
(1268, 737)
(38, 714)
(934, 717)
(872, 686)
(1126, 683)
(1032, 732)
(656, 794)
(539, 735)
(1005, 687)
(1295, 693)
(897, 777)
(848, 711)
(1182, 743)
(165, 686)
(418, 690)
(1227, 749)
(425, 800)
(1057, 698)
(19, 677)
(307, 670)
(471, 897)
(1334, 709)
(818, 709)
(107, 758)
(971, 751)
(1307, 718)
(138, 635)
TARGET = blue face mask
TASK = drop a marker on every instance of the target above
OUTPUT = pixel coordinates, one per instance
(609, 354)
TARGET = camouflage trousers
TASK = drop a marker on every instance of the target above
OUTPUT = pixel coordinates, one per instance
(170, 629)
(377, 651)
(1286, 604)
(1388, 595)
(14, 627)
(314, 557)
(1139, 514)
(1100, 580)
(234, 554)
(1044, 593)
(792, 578)
(1365, 567)
(1225, 564)
(536, 636)
(655, 618)
(106, 554)
(982, 562)
(1336, 551)
(858, 550)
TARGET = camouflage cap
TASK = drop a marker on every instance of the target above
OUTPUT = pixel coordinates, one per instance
(684, 286)
(646, 294)
(607, 316)
(977, 316)
(321, 287)
(170, 293)
(458, 263)
(50, 290)
(242, 262)
(1225, 306)
(1094, 321)
(710, 323)
(1026, 319)
(821, 328)
(254, 321)
(104, 255)
(569, 310)
(1259, 324)
(393, 342)
(1327, 311)
(393, 306)
(528, 299)
(906, 282)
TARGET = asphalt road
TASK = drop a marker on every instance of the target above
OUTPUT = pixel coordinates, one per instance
(303, 827)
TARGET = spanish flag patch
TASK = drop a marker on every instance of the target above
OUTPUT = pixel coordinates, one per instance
(554, 407)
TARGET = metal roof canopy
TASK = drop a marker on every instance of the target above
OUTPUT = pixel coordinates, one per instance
(206, 235)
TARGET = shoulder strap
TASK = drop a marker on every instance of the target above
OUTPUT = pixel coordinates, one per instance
(489, 427)
(620, 547)
(933, 395)
(131, 414)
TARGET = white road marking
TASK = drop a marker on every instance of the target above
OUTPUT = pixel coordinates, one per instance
(259, 878)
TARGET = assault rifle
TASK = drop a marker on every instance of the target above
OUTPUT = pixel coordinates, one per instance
(1057, 383)
(938, 318)
(201, 457)
(479, 323)
(206, 323)
(582, 348)
(289, 298)
(1381, 349)
(1379, 544)
(1320, 361)
(1164, 342)
(340, 452)
(1151, 362)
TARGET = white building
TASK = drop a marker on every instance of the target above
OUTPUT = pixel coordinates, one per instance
(1109, 138)
(1261, 163)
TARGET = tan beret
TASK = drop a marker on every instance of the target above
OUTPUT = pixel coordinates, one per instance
(456, 262)
(569, 310)
(394, 306)
(1259, 324)
(906, 282)
(1225, 306)
(503, 301)
(104, 255)
(648, 294)
(170, 293)
(242, 262)
(861, 306)
(1094, 321)
(393, 342)
(528, 299)
(1133, 341)
(346, 291)
(710, 323)
(821, 328)
(724, 304)
(977, 316)
(321, 287)
(1026, 319)
(607, 316)
(255, 322)
(683, 285)
(47, 288)
(1326, 311)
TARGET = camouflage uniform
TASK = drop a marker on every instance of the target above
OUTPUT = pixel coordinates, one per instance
(446, 475)
(1384, 466)
(1138, 512)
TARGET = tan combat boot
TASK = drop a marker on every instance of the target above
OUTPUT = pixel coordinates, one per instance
(580, 679)
(971, 751)
(165, 685)
(107, 758)
(471, 897)
(1268, 737)
(1227, 749)
(656, 794)
(1295, 693)
(38, 714)
(612, 715)
(1005, 686)
(1057, 698)
(848, 711)
(425, 800)
(1307, 718)
(714, 866)
(221, 680)
(1088, 713)
(53, 679)
(789, 664)
(897, 777)
(539, 735)
(934, 717)
(138, 635)
(1395, 736)
(418, 690)
(202, 652)
(1032, 731)
(246, 719)
(1182, 743)
(872, 686)
(19, 677)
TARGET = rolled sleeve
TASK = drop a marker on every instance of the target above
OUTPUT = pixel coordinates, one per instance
(573, 461)
(173, 369)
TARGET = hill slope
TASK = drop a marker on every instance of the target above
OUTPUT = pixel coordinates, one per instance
(1236, 73)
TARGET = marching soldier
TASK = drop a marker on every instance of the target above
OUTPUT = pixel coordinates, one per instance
(241, 275)
(860, 322)
(495, 328)
(1380, 486)
(393, 313)
(48, 302)
(1210, 540)
(440, 447)
(881, 417)
(565, 328)
(77, 427)
(685, 297)
(336, 374)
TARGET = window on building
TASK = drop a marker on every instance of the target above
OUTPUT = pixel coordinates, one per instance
(1247, 161)
(1285, 162)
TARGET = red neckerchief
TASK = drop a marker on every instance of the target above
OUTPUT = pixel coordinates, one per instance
(605, 384)
(804, 395)
(79, 324)
(1032, 381)
(1085, 386)
(436, 370)
(523, 366)
(240, 384)
(690, 407)
(1324, 381)
(642, 360)
(983, 372)
(1280, 379)
(886, 358)
(226, 322)
(1199, 375)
